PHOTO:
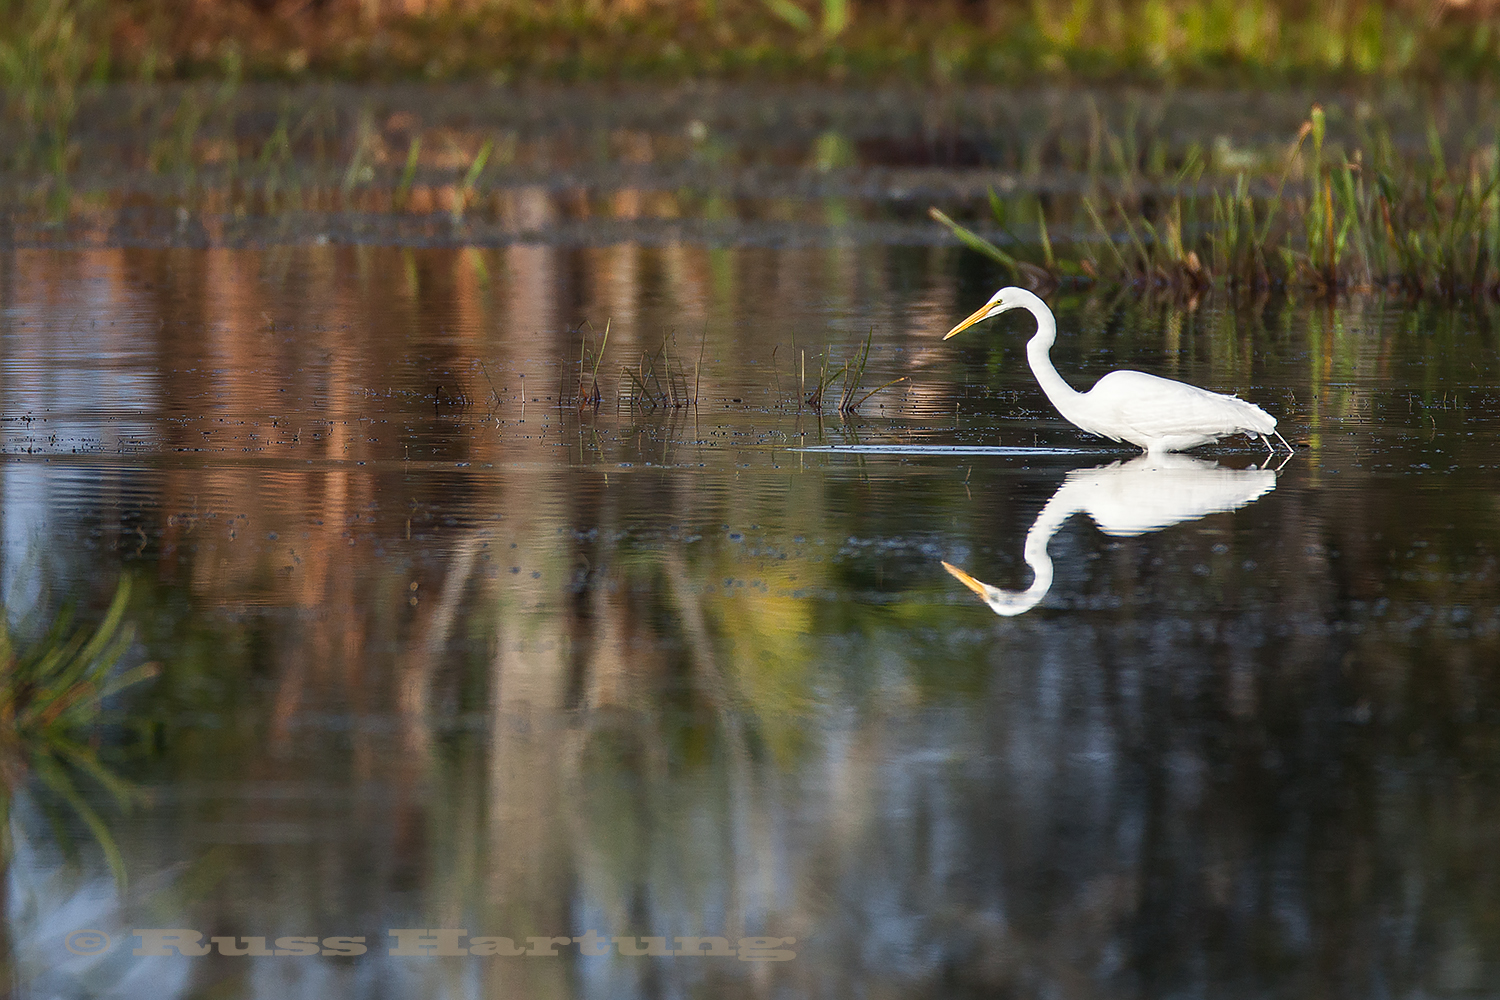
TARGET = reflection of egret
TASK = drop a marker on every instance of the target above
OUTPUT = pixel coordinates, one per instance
(1126, 498)
(1158, 414)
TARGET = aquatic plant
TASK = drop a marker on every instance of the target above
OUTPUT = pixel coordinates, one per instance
(52, 693)
(1336, 219)
(658, 380)
(471, 177)
(852, 393)
(588, 390)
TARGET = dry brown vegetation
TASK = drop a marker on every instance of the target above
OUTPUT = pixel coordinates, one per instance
(943, 39)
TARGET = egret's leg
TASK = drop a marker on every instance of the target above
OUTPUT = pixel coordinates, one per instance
(1283, 441)
(1266, 440)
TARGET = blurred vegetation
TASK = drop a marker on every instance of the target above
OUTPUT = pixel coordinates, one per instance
(940, 40)
(1322, 217)
(52, 693)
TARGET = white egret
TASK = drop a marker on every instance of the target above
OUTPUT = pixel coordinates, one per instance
(1145, 494)
(1154, 413)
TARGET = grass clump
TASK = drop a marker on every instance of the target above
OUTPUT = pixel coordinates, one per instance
(661, 380)
(51, 703)
(658, 380)
(851, 375)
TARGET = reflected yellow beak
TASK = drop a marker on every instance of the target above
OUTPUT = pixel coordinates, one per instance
(982, 312)
(964, 578)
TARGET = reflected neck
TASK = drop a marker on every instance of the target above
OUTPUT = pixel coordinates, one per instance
(1035, 554)
(1015, 602)
(1052, 516)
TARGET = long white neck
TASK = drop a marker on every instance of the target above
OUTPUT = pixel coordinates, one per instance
(1060, 392)
(1051, 518)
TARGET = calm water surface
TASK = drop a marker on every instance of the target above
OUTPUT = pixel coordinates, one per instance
(443, 649)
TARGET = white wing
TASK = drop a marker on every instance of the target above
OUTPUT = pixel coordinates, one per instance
(1127, 498)
(1137, 407)
(1156, 491)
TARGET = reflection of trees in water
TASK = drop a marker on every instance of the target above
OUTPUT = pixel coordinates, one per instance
(372, 707)
(628, 744)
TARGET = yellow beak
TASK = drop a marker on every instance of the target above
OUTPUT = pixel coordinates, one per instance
(982, 312)
(964, 578)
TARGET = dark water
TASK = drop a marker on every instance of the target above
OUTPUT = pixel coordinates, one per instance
(443, 649)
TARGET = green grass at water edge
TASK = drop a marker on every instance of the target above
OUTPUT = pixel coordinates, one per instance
(1355, 216)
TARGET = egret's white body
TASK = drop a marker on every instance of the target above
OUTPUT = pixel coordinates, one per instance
(1126, 498)
(1153, 413)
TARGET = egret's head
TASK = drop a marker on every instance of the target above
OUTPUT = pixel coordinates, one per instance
(1005, 298)
(1007, 603)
